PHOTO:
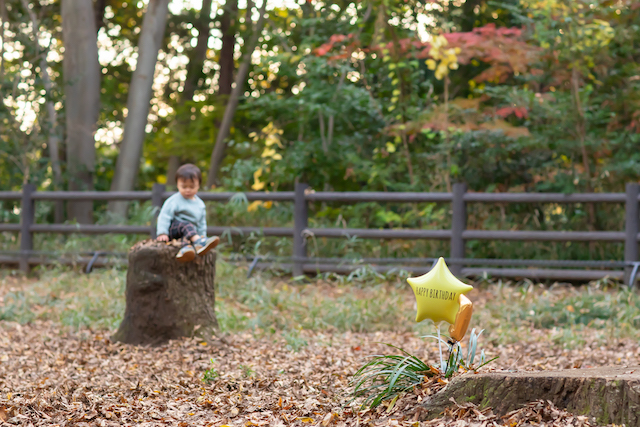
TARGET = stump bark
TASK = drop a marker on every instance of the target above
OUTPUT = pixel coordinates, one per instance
(611, 395)
(166, 299)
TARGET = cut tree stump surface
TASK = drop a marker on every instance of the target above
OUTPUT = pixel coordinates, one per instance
(167, 299)
(611, 394)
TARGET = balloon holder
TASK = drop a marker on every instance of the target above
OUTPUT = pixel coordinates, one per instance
(442, 367)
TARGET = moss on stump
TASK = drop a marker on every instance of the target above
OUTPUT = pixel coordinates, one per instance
(166, 299)
(611, 395)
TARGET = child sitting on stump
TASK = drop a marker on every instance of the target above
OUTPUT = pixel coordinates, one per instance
(184, 216)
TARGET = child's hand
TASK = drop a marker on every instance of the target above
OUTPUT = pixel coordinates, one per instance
(163, 238)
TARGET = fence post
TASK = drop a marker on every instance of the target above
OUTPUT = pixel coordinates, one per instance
(458, 225)
(631, 229)
(27, 214)
(300, 223)
(156, 202)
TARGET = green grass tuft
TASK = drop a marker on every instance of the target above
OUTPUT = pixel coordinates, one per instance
(210, 375)
(385, 377)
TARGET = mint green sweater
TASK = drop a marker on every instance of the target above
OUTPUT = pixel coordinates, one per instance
(181, 209)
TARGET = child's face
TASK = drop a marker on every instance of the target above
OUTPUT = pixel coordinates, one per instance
(188, 187)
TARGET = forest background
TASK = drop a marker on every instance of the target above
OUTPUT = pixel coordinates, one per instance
(375, 95)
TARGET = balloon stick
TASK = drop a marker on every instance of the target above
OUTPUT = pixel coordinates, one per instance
(440, 347)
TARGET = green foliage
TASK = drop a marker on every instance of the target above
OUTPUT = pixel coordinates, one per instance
(23, 155)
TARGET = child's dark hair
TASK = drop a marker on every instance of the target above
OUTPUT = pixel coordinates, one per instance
(189, 172)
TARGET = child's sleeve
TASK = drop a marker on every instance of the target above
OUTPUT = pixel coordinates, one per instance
(165, 217)
(202, 224)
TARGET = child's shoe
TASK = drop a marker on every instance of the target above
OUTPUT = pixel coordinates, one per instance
(203, 245)
(186, 254)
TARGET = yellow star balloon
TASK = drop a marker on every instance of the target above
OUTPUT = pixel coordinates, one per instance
(437, 294)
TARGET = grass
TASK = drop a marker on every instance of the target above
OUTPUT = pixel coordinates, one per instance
(71, 298)
(363, 302)
(268, 304)
(264, 304)
(603, 308)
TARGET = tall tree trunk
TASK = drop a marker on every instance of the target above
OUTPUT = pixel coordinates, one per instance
(100, 6)
(468, 17)
(128, 164)
(581, 133)
(194, 69)
(228, 29)
(217, 155)
(82, 99)
(172, 168)
(194, 74)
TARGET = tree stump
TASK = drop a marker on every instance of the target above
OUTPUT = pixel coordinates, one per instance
(610, 394)
(167, 299)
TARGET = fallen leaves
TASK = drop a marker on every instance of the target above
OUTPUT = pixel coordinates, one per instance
(82, 378)
(49, 375)
(545, 413)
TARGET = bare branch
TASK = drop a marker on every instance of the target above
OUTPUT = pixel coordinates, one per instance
(325, 147)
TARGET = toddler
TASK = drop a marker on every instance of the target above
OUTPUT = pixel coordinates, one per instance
(183, 216)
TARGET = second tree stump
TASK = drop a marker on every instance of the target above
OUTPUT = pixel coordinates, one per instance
(167, 299)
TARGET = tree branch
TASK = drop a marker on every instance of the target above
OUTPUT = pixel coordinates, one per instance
(218, 150)
(52, 138)
(5, 20)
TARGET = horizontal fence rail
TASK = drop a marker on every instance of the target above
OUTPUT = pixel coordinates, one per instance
(545, 198)
(350, 266)
(299, 263)
(329, 196)
(558, 236)
(377, 196)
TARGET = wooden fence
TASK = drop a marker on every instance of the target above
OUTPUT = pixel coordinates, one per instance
(300, 263)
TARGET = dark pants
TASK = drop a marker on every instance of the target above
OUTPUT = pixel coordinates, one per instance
(182, 230)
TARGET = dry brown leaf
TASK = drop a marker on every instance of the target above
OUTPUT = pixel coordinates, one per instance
(327, 419)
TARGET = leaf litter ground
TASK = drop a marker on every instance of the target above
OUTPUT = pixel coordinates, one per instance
(52, 375)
